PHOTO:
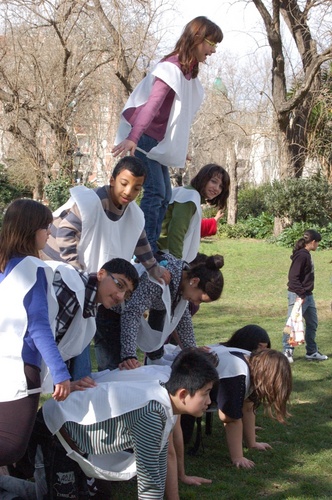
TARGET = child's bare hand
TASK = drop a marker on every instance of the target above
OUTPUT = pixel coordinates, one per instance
(123, 148)
(194, 480)
(61, 391)
(82, 384)
(262, 446)
(129, 364)
(243, 462)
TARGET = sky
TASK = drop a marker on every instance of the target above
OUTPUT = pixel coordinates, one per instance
(239, 22)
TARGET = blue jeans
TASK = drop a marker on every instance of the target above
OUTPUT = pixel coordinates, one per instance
(309, 313)
(157, 192)
(80, 366)
(108, 342)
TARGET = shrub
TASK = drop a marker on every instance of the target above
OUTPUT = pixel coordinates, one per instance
(290, 235)
(308, 200)
(57, 192)
(9, 191)
(251, 201)
(253, 227)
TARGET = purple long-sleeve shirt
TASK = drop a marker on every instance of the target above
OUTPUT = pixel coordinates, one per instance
(38, 341)
(151, 118)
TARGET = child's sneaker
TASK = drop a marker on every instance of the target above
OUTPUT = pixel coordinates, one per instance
(316, 356)
(289, 355)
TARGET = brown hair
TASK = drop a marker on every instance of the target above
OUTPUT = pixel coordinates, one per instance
(271, 380)
(193, 34)
(207, 269)
(21, 221)
(202, 178)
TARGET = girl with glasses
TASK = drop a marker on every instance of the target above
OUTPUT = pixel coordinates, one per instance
(155, 122)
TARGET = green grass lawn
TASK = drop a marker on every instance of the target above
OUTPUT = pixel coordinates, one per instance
(300, 464)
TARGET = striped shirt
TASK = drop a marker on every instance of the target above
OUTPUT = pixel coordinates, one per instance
(66, 233)
(140, 429)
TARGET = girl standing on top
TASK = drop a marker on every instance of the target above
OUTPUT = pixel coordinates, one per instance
(156, 120)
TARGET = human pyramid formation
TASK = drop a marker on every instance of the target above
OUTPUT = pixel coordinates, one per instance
(67, 278)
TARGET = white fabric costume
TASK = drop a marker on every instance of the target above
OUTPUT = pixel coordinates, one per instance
(229, 366)
(148, 339)
(117, 392)
(172, 150)
(13, 324)
(115, 239)
(193, 235)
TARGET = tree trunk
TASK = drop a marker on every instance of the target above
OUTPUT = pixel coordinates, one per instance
(232, 200)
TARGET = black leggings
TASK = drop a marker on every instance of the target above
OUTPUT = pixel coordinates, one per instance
(17, 419)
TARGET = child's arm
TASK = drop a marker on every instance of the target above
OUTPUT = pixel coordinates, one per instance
(234, 435)
(249, 430)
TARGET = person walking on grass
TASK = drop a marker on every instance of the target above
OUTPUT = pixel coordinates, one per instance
(301, 279)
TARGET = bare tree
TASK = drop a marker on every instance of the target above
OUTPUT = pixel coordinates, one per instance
(67, 66)
(292, 110)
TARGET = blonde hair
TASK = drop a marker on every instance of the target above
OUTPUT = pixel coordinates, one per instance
(271, 380)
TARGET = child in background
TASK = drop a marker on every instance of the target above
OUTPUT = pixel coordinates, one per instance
(155, 123)
(301, 280)
(26, 336)
(181, 228)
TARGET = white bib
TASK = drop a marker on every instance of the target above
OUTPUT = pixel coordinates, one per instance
(148, 339)
(13, 325)
(193, 235)
(172, 149)
(123, 392)
(103, 239)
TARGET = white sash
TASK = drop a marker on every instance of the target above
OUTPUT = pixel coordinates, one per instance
(148, 339)
(81, 330)
(193, 235)
(172, 149)
(109, 400)
(103, 239)
(13, 325)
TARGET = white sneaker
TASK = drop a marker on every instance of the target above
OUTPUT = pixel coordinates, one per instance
(316, 356)
(289, 355)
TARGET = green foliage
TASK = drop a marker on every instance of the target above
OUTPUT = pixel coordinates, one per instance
(260, 227)
(251, 201)
(57, 192)
(291, 234)
(301, 200)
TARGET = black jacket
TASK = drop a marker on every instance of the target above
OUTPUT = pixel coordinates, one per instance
(301, 273)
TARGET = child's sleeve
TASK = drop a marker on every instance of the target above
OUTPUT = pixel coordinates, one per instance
(68, 236)
(178, 227)
(231, 396)
(151, 462)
